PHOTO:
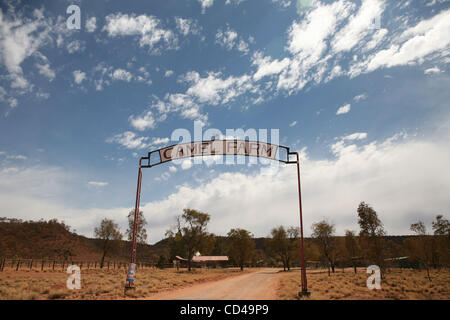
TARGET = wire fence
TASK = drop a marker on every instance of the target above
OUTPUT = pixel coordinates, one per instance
(55, 265)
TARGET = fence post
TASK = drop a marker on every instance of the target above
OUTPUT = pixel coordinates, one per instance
(31, 264)
(42, 265)
(53, 267)
(18, 265)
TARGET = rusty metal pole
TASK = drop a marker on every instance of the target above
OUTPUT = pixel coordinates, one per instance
(132, 266)
(304, 291)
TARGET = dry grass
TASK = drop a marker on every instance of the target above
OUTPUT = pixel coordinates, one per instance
(398, 284)
(100, 284)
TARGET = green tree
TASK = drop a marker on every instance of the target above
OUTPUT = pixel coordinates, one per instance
(351, 246)
(241, 246)
(441, 226)
(220, 247)
(371, 235)
(323, 233)
(441, 240)
(422, 246)
(109, 233)
(162, 260)
(284, 244)
(190, 234)
(141, 236)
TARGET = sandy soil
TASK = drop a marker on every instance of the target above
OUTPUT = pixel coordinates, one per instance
(258, 285)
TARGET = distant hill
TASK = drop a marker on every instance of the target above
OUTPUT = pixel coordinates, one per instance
(43, 239)
(54, 239)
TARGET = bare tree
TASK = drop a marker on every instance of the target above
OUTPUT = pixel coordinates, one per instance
(323, 233)
(241, 246)
(108, 232)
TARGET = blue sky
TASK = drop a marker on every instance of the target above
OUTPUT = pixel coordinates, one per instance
(365, 103)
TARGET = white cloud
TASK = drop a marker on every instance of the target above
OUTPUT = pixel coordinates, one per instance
(206, 4)
(356, 136)
(187, 26)
(359, 25)
(42, 95)
(186, 164)
(344, 109)
(16, 157)
(213, 89)
(433, 70)
(168, 73)
(45, 70)
(230, 40)
(158, 141)
(129, 140)
(2, 93)
(172, 169)
(419, 42)
(91, 24)
(340, 147)
(318, 47)
(148, 28)
(21, 38)
(335, 72)
(378, 173)
(143, 122)
(358, 98)
(267, 66)
(283, 3)
(235, 2)
(79, 76)
(12, 102)
(75, 46)
(308, 38)
(121, 74)
(293, 123)
(97, 183)
(308, 42)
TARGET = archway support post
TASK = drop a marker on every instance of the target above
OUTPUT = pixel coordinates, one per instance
(304, 284)
(132, 267)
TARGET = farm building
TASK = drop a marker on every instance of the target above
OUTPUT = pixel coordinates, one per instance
(199, 260)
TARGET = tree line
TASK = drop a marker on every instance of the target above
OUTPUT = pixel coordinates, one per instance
(367, 246)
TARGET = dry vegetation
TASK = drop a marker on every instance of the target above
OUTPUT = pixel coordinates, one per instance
(100, 284)
(398, 284)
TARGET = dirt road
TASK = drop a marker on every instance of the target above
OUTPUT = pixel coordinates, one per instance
(259, 285)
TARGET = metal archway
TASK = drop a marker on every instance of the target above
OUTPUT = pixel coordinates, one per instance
(211, 148)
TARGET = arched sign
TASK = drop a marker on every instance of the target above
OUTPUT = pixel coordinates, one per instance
(218, 147)
(214, 148)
